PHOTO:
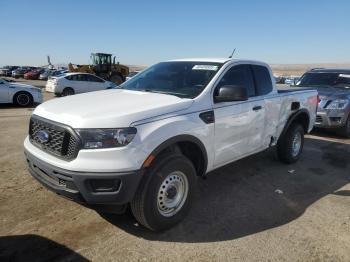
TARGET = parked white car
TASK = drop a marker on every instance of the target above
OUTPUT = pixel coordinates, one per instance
(147, 142)
(76, 83)
(19, 94)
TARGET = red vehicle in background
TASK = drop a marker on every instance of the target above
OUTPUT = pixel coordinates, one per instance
(34, 74)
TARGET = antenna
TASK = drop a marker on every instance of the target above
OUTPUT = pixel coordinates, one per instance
(234, 50)
(49, 60)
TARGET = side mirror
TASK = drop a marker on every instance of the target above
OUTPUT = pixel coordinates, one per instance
(230, 93)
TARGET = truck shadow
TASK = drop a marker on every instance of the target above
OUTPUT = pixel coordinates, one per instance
(35, 248)
(12, 106)
(256, 194)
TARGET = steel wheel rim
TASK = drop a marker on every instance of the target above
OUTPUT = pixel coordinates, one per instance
(23, 99)
(172, 194)
(296, 144)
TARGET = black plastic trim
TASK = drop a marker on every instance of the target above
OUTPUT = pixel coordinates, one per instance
(79, 188)
(292, 118)
(208, 117)
(184, 138)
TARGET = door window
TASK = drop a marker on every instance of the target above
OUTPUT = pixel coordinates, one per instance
(239, 75)
(92, 78)
(79, 77)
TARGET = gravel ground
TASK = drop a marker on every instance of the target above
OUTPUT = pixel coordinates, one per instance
(256, 209)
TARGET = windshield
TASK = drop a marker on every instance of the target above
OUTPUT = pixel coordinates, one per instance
(325, 80)
(182, 79)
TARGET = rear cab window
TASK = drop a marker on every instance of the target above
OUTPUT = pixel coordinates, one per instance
(262, 80)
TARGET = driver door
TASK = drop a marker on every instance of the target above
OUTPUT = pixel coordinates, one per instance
(233, 120)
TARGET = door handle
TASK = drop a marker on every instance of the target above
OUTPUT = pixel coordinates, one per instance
(257, 108)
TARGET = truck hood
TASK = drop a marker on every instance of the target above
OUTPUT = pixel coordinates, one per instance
(110, 108)
(22, 86)
(333, 93)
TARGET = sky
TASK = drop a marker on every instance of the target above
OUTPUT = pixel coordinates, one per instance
(146, 32)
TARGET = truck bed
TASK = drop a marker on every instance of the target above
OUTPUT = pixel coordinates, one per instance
(282, 90)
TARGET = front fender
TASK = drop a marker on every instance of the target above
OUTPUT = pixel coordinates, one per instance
(155, 136)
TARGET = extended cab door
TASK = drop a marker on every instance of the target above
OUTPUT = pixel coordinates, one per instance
(239, 126)
(4, 92)
(263, 88)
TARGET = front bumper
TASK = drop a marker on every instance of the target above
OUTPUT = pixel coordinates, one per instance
(84, 187)
(331, 119)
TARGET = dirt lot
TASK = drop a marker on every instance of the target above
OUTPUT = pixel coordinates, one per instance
(237, 215)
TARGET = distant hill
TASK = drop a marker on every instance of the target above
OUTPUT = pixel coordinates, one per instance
(299, 69)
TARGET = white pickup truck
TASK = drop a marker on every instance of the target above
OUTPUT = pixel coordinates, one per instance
(145, 143)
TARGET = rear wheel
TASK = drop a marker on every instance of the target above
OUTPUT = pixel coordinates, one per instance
(290, 146)
(67, 91)
(116, 79)
(23, 99)
(345, 130)
(166, 193)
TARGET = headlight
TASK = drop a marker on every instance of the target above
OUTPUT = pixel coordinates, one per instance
(338, 104)
(106, 138)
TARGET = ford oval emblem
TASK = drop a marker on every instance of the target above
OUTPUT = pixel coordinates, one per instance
(43, 136)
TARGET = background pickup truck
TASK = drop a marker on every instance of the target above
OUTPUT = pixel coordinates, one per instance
(145, 143)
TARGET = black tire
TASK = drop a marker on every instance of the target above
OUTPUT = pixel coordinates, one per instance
(68, 91)
(145, 205)
(23, 99)
(116, 79)
(286, 146)
(345, 130)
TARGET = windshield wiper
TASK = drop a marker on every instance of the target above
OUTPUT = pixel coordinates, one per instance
(165, 93)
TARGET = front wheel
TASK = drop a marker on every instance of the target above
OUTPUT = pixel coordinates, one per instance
(23, 99)
(290, 145)
(166, 193)
(67, 91)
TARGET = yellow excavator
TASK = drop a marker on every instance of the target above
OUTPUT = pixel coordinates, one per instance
(103, 66)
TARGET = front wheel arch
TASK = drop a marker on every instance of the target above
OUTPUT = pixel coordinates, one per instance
(184, 144)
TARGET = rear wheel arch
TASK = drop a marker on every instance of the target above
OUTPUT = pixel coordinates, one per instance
(301, 116)
(189, 146)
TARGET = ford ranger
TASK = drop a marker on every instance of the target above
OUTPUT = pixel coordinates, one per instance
(145, 143)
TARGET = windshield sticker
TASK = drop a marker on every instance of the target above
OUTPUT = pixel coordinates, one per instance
(344, 75)
(205, 67)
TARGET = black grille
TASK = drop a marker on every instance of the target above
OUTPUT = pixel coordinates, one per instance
(62, 142)
(319, 119)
